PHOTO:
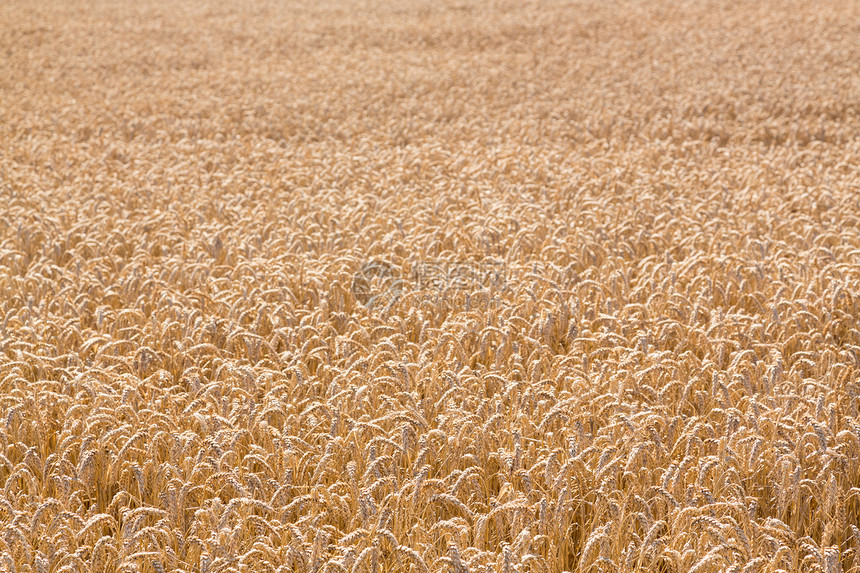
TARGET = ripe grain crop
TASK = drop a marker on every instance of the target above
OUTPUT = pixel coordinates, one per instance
(353, 286)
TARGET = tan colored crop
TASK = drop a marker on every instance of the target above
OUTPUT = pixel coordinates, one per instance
(353, 286)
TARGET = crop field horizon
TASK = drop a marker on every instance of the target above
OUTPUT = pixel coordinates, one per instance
(409, 286)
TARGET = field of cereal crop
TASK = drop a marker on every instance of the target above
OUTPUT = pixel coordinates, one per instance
(421, 286)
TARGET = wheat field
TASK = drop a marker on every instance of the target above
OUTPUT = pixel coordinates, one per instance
(415, 286)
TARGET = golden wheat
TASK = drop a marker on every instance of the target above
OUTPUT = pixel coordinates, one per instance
(429, 286)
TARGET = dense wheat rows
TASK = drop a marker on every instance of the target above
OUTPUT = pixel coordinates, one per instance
(227, 341)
